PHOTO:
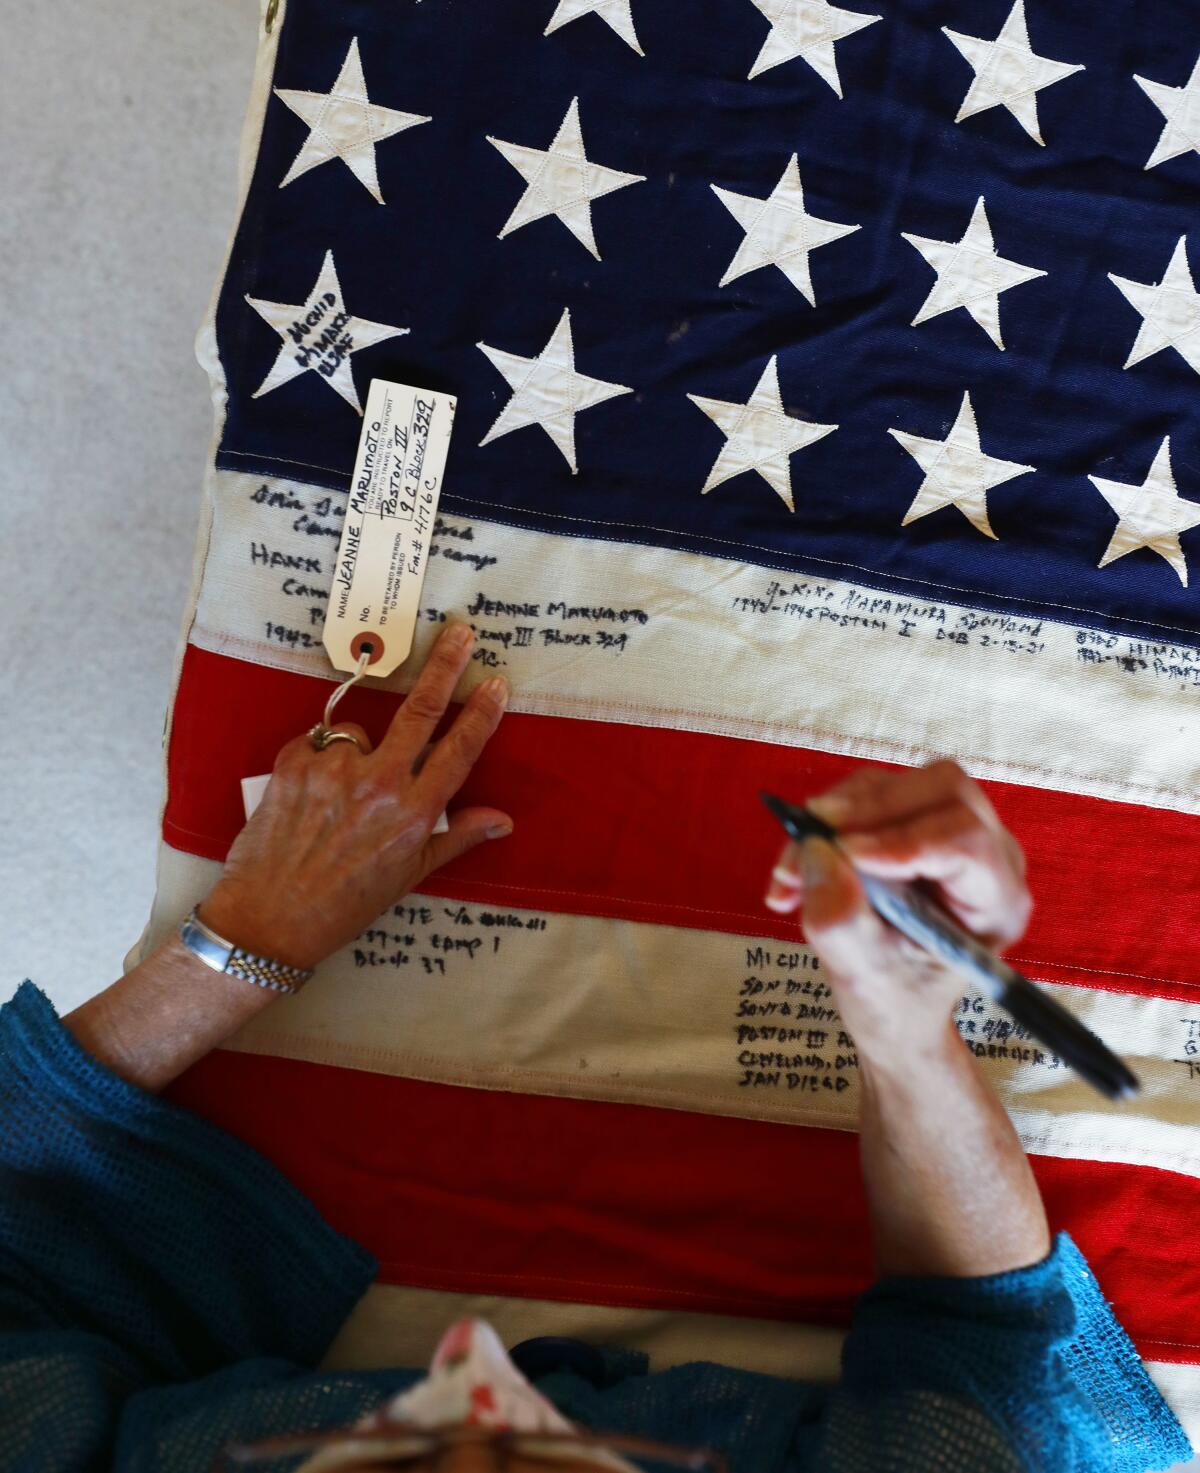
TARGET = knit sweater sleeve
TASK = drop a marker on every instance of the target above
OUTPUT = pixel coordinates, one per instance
(1017, 1372)
(136, 1229)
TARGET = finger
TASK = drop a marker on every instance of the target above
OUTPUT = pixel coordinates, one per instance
(293, 757)
(351, 728)
(294, 753)
(853, 941)
(468, 828)
(872, 796)
(971, 863)
(786, 889)
(452, 758)
(425, 705)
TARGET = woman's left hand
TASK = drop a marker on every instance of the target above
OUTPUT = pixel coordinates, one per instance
(342, 834)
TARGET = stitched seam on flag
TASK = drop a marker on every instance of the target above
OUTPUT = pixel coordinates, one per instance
(1085, 1150)
(450, 1071)
(534, 889)
(447, 1070)
(819, 733)
(1188, 987)
(768, 731)
(536, 183)
(702, 910)
(1028, 961)
(653, 905)
(705, 537)
(283, 460)
(802, 217)
(1031, 961)
(757, 547)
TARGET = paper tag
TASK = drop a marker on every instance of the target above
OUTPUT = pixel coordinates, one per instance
(390, 513)
(254, 787)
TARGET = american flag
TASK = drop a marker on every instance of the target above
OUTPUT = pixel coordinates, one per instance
(826, 392)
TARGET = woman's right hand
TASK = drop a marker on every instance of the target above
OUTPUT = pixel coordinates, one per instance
(931, 824)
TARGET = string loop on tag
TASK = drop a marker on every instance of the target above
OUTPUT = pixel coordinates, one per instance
(320, 734)
(364, 660)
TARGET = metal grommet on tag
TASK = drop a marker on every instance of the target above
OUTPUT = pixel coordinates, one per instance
(272, 12)
(369, 644)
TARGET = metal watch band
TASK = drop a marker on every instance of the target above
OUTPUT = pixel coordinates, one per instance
(224, 956)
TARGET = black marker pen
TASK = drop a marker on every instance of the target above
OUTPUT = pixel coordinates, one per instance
(921, 919)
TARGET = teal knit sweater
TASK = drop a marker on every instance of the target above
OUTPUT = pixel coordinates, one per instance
(163, 1291)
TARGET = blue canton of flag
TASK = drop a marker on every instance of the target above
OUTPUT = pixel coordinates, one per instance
(905, 298)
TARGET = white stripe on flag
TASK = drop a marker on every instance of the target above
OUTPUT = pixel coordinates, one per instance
(613, 1010)
(1180, 1388)
(626, 632)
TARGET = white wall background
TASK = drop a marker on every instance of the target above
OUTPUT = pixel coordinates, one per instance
(119, 126)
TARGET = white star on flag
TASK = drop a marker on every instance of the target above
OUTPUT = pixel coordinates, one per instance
(759, 436)
(1180, 106)
(547, 390)
(1150, 515)
(807, 28)
(320, 336)
(970, 274)
(779, 231)
(616, 12)
(1170, 311)
(957, 472)
(561, 180)
(1008, 72)
(344, 124)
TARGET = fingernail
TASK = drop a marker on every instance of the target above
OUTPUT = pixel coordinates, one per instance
(784, 876)
(458, 634)
(499, 831)
(816, 856)
(781, 899)
(496, 689)
(834, 808)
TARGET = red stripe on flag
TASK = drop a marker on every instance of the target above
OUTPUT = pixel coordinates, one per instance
(654, 824)
(538, 1197)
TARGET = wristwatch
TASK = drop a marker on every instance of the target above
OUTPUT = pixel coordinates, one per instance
(225, 956)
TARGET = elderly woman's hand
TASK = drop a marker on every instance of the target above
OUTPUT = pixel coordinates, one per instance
(342, 834)
(931, 824)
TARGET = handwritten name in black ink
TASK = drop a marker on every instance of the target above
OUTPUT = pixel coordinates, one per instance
(347, 561)
(266, 496)
(272, 558)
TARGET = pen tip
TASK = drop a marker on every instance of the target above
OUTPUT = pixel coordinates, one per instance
(798, 822)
